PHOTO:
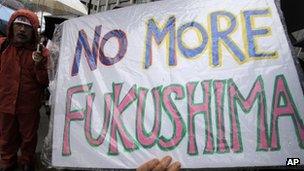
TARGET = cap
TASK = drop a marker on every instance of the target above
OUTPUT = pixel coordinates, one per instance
(23, 20)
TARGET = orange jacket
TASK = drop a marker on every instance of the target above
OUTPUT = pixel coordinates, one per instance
(21, 81)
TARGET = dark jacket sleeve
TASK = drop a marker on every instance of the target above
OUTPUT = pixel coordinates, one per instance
(41, 69)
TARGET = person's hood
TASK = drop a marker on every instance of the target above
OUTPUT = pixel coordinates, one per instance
(31, 16)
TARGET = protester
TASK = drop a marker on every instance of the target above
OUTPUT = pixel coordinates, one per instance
(23, 77)
(163, 165)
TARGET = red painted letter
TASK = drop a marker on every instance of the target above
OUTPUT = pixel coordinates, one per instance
(281, 92)
(117, 125)
(77, 115)
(175, 117)
(195, 109)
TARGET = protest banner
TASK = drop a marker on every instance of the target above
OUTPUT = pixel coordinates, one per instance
(210, 82)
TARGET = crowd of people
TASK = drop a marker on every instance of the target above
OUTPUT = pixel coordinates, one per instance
(23, 80)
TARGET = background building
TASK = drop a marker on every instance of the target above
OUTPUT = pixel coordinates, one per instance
(104, 5)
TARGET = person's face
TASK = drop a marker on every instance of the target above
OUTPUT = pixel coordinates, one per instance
(22, 33)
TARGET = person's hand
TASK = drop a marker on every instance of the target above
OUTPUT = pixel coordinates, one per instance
(163, 165)
(37, 56)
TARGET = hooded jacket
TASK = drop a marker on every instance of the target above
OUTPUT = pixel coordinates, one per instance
(21, 81)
